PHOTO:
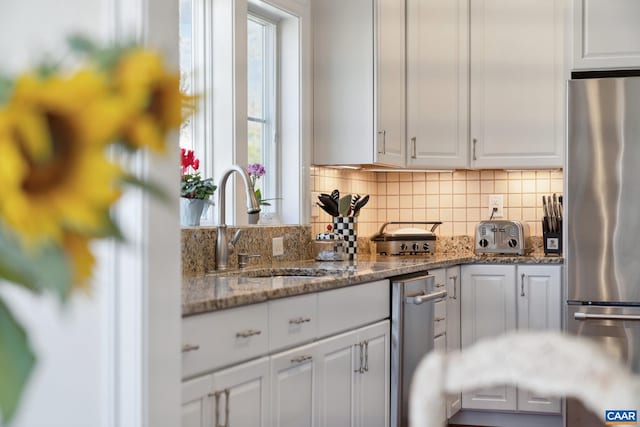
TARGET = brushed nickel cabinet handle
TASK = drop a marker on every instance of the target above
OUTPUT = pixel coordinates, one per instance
(300, 359)
(384, 141)
(359, 370)
(475, 141)
(455, 285)
(413, 145)
(522, 284)
(299, 320)
(188, 347)
(248, 333)
(439, 319)
(366, 356)
(227, 398)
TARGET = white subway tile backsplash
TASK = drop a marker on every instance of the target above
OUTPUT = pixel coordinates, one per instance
(459, 198)
(406, 187)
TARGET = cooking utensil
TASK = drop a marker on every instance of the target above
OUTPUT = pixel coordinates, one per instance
(344, 204)
(331, 204)
(352, 206)
(335, 195)
(360, 204)
(327, 209)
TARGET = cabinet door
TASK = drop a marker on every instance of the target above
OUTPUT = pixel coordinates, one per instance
(338, 359)
(293, 385)
(373, 384)
(197, 408)
(437, 83)
(606, 34)
(390, 82)
(488, 309)
(517, 83)
(243, 394)
(343, 79)
(454, 401)
(539, 308)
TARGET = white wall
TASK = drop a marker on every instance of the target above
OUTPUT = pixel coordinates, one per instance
(110, 358)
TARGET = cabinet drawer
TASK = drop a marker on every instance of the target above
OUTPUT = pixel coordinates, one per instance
(292, 321)
(347, 308)
(439, 318)
(223, 337)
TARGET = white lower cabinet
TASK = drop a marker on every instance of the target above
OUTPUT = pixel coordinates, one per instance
(447, 324)
(340, 380)
(235, 396)
(500, 298)
(294, 376)
(454, 401)
(539, 308)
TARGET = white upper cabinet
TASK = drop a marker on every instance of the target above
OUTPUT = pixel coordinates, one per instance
(437, 83)
(517, 85)
(359, 83)
(606, 34)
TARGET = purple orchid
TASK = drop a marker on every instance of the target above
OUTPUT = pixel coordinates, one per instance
(256, 170)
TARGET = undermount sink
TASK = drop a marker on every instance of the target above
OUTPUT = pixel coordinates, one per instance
(286, 273)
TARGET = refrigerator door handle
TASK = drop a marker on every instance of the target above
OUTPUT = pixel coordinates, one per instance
(622, 317)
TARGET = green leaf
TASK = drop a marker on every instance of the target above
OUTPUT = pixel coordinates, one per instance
(81, 44)
(6, 88)
(16, 363)
(37, 269)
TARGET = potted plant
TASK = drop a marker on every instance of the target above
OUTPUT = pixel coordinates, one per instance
(195, 192)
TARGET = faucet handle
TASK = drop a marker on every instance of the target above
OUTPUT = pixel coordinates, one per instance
(243, 259)
(236, 236)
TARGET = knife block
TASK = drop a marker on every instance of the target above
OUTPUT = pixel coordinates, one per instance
(552, 240)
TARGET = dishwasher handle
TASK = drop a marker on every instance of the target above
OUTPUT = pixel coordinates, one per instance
(419, 299)
(622, 317)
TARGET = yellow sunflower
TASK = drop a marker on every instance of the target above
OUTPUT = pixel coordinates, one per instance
(53, 172)
(153, 94)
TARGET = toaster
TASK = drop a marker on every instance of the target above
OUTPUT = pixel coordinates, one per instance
(502, 237)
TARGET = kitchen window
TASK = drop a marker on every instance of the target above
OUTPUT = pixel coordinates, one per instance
(262, 114)
(249, 63)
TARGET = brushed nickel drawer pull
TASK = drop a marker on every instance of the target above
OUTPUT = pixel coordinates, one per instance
(188, 347)
(522, 284)
(300, 359)
(439, 319)
(455, 284)
(359, 370)
(299, 320)
(248, 333)
(366, 355)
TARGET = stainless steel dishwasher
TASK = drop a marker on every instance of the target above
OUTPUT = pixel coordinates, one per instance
(412, 311)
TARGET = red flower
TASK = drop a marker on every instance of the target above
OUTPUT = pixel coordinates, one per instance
(189, 160)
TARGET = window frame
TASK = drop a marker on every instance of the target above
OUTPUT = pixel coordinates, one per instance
(270, 103)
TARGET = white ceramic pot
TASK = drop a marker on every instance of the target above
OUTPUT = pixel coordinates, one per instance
(191, 211)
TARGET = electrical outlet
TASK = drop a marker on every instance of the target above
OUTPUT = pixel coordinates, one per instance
(496, 201)
(278, 246)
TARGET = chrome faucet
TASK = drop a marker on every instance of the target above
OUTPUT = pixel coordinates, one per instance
(223, 246)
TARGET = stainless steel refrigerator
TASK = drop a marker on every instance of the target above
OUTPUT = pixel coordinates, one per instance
(602, 219)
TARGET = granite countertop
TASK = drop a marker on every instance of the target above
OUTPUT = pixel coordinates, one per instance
(217, 291)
